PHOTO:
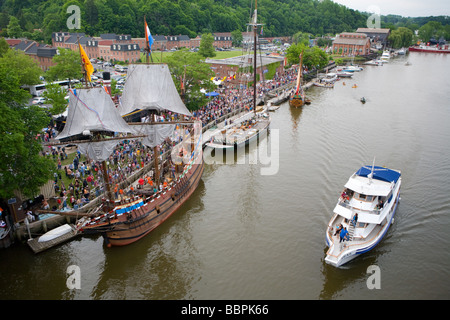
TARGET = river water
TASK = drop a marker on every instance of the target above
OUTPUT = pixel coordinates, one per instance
(252, 234)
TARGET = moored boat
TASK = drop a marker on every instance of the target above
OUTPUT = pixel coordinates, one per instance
(374, 62)
(248, 128)
(55, 233)
(344, 74)
(98, 126)
(321, 84)
(251, 125)
(430, 49)
(385, 56)
(297, 98)
(350, 68)
(135, 217)
(401, 51)
(363, 213)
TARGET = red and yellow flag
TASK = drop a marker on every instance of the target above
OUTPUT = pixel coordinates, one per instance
(87, 65)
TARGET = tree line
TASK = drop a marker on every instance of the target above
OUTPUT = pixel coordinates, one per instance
(37, 19)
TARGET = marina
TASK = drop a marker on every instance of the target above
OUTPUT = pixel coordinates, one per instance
(240, 228)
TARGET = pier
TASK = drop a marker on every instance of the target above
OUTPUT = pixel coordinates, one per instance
(38, 247)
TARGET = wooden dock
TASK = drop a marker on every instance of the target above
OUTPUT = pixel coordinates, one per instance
(38, 247)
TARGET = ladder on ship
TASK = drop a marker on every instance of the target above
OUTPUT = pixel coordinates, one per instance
(351, 230)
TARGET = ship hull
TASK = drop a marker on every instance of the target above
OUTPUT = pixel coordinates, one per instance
(431, 50)
(143, 220)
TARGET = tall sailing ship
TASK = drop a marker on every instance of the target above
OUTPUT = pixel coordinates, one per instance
(149, 89)
(251, 125)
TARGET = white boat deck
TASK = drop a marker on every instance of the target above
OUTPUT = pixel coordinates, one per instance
(337, 250)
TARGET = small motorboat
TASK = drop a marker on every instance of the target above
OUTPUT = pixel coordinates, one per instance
(363, 100)
(55, 233)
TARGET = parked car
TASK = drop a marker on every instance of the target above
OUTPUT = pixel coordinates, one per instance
(38, 100)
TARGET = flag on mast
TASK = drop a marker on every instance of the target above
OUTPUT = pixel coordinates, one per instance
(148, 36)
(87, 65)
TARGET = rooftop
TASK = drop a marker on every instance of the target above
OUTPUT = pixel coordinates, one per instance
(373, 30)
(246, 60)
(351, 39)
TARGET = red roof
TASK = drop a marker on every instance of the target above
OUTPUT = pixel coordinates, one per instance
(105, 42)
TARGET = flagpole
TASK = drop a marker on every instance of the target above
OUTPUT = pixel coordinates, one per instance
(147, 49)
(83, 67)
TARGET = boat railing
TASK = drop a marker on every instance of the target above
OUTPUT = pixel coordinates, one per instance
(345, 203)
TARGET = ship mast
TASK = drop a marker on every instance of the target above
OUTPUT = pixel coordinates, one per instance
(97, 135)
(255, 25)
(153, 116)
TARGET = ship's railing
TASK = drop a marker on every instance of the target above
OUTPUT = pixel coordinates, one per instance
(345, 203)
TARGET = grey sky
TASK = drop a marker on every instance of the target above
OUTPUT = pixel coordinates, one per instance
(406, 8)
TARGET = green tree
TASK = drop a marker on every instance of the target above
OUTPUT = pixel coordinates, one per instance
(24, 67)
(429, 30)
(55, 95)
(4, 46)
(189, 68)
(206, 46)
(237, 37)
(21, 166)
(14, 29)
(401, 37)
(301, 38)
(312, 57)
(67, 66)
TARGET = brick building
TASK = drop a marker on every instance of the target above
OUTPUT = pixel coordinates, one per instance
(350, 43)
(177, 42)
(41, 53)
(376, 35)
(222, 40)
(109, 46)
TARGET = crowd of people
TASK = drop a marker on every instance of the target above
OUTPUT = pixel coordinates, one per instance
(84, 179)
(231, 99)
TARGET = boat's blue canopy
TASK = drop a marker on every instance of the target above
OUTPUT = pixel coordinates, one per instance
(379, 173)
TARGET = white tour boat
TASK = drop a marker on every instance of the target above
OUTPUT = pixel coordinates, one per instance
(371, 196)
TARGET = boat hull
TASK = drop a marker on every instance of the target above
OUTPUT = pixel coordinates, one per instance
(430, 50)
(236, 144)
(296, 102)
(148, 217)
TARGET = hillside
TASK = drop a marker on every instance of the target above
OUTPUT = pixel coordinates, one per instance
(37, 19)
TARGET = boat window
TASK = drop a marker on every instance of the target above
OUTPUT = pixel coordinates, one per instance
(361, 225)
(364, 197)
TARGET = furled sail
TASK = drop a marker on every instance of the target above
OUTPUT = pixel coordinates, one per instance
(154, 134)
(98, 150)
(92, 109)
(150, 86)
